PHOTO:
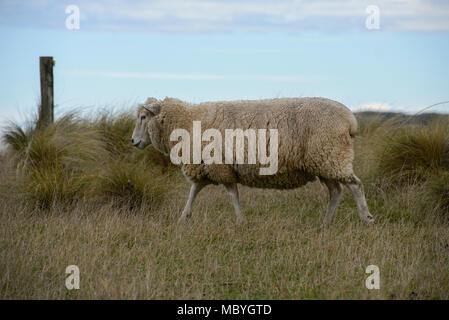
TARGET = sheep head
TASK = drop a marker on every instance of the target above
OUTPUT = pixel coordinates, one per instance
(140, 138)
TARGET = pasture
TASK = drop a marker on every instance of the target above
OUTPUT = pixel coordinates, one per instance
(78, 193)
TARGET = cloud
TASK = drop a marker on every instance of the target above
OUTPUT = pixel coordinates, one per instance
(375, 106)
(220, 16)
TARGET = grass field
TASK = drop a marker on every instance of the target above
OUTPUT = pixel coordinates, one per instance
(78, 194)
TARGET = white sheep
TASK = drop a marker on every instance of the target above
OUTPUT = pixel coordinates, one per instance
(314, 134)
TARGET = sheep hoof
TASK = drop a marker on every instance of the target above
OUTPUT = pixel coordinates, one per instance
(241, 221)
(183, 219)
(369, 220)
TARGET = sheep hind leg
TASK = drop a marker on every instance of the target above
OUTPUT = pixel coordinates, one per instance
(335, 192)
(195, 188)
(356, 188)
(234, 193)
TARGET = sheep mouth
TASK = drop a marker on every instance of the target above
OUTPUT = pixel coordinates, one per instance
(137, 144)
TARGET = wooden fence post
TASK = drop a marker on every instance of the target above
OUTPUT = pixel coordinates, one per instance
(46, 109)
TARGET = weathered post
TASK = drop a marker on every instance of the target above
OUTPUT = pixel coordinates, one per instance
(46, 109)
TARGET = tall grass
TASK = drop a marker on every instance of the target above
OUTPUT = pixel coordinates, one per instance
(439, 191)
(75, 159)
(415, 153)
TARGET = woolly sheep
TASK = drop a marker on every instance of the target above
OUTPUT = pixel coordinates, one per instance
(315, 140)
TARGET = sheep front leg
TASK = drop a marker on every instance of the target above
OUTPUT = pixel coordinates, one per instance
(234, 193)
(195, 188)
(356, 188)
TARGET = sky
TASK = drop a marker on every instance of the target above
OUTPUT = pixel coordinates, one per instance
(126, 51)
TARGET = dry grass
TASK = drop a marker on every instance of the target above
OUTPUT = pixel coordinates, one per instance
(411, 153)
(123, 236)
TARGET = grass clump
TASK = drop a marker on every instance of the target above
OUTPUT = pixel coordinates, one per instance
(404, 168)
(413, 154)
(115, 131)
(130, 184)
(75, 159)
(18, 138)
(52, 163)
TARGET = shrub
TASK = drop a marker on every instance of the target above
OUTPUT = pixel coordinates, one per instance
(17, 138)
(74, 158)
(130, 183)
(115, 131)
(43, 188)
(410, 154)
(52, 162)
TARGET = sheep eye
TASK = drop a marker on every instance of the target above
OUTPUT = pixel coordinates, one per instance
(142, 118)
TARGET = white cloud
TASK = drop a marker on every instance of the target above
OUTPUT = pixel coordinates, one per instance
(244, 15)
(197, 15)
(375, 106)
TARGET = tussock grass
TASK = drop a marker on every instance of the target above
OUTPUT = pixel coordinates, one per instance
(18, 138)
(52, 164)
(130, 183)
(78, 193)
(115, 131)
(406, 162)
(412, 153)
(88, 159)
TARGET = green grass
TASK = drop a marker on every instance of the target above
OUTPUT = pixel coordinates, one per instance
(78, 193)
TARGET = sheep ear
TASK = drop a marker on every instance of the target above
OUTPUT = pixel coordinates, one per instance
(150, 100)
(153, 108)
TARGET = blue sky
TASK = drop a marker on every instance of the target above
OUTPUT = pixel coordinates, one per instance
(126, 51)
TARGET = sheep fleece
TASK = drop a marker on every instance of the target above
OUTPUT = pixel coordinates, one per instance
(315, 138)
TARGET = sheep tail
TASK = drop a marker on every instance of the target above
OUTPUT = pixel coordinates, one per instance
(353, 125)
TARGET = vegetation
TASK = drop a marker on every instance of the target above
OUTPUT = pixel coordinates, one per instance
(415, 153)
(76, 159)
(78, 193)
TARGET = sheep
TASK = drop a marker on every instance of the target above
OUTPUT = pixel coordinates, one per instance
(315, 141)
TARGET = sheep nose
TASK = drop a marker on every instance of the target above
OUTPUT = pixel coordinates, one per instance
(132, 140)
